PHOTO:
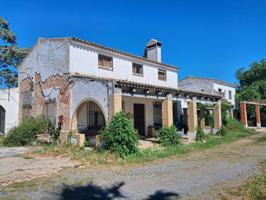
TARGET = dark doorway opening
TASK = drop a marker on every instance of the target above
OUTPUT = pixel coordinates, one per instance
(139, 118)
(2, 119)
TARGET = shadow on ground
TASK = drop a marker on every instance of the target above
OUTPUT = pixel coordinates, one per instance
(94, 192)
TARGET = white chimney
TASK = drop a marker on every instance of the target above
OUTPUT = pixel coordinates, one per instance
(153, 50)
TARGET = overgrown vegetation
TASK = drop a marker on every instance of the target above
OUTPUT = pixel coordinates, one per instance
(142, 155)
(119, 136)
(168, 136)
(234, 124)
(223, 131)
(200, 136)
(177, 150)
(26, 133)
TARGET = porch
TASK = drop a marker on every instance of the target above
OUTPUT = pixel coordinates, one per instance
(150, 108)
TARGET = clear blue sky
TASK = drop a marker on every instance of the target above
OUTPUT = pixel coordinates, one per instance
(209, 38)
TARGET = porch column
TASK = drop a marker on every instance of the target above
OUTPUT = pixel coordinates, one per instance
(217, 115)
(243, 113)
(115, 103)
(231, 114)
(202, 119)
(258, 116)
(192, 119)
(167, 111)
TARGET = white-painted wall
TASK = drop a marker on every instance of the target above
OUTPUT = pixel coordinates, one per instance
(48, 57)
(226, 90)
(10, 104)
(148, 104)
(84, 60)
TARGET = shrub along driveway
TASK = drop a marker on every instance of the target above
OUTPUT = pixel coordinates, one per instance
(203, 175)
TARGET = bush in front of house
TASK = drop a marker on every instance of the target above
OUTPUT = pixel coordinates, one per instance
(26, 133)
(168, 136)
(200, 136)
(119, 136)
(223, 131)
(234, 125)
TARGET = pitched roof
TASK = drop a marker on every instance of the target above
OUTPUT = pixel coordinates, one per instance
(123, 53)
(211, 79)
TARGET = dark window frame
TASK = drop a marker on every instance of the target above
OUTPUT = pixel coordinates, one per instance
(136, 65)
(104, 61)
(162, 72)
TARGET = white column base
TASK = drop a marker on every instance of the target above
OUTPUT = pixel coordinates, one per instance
(215, 130)
(258, 125)
(191, 136)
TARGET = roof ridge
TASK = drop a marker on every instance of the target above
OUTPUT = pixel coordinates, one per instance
(122, 52)
(206, 78)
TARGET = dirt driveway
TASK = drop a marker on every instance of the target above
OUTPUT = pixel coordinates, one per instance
(199, 175)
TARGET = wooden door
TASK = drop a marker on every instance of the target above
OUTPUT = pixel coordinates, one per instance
(139, 118)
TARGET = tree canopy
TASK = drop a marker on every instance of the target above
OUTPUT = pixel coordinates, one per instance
(10, 55)
(253, 87)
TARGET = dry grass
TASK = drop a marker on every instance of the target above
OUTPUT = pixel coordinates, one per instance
(253, 189)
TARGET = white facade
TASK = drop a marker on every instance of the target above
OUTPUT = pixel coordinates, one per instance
(58, 56)
(84, 60)
(228, 92)
(210, 86)
(9, 101)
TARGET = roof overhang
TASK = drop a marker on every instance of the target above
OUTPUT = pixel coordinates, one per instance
(147, 89)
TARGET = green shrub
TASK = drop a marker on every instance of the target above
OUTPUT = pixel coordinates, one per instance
(168, 136)
(200, 135)
(26, 133)
(119, 136)
(223, 131)
(234, 125)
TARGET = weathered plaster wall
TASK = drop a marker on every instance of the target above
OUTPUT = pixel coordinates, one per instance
(82, 89)
(202, 85)
(48, 57)
(84, 60)
(54, 88)
(9, 100)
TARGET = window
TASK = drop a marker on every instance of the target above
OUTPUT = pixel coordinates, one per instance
(105, 62)
(137, 69)
(162, 75)
(230, 94)
(220, 90)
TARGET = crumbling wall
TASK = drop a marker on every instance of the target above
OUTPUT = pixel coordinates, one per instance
(55, 88)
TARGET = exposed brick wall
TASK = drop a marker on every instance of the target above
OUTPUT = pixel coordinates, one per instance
(38, 97)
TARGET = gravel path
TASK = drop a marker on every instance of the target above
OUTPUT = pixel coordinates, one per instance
(199, 175)
(12, 151)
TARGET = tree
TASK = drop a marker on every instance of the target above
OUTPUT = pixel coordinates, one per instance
(10, 55)
(252, 87)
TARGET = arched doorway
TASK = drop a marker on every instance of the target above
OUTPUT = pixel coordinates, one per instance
(2, 119)
(88, 118)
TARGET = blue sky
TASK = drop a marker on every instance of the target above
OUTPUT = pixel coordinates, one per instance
(209, 38)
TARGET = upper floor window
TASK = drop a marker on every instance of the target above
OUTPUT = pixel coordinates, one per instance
(162, 75)
(221, 92)
(137, 69)
(105, 62)
(230, 94)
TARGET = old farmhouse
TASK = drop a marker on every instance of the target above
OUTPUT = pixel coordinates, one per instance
(85, 84)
